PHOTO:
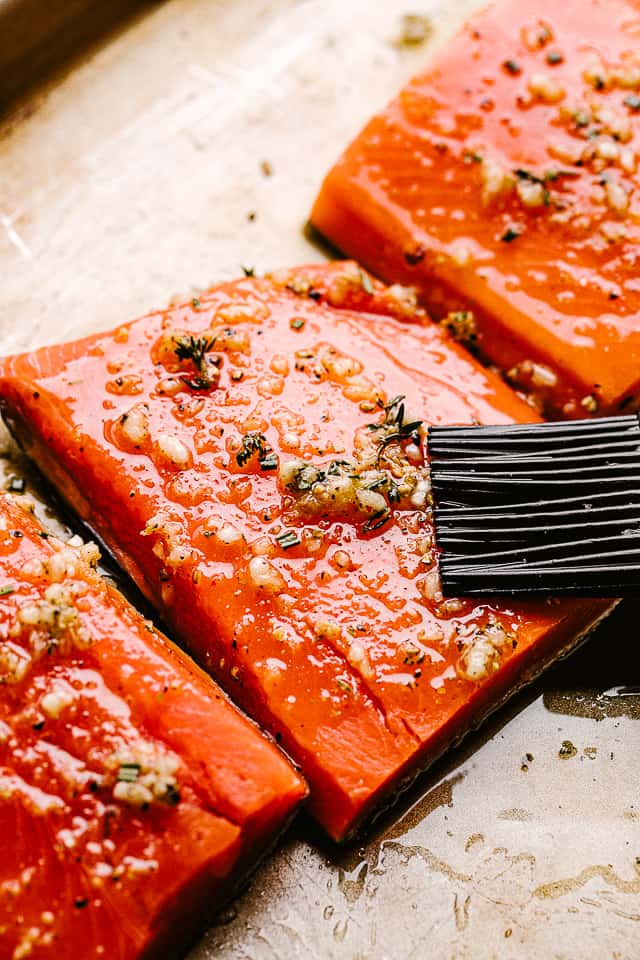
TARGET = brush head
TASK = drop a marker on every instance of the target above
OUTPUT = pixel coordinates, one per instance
(549, 508)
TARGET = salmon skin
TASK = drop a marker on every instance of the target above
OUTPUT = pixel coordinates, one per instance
(132, 793)
(256, 460)
(503, 183)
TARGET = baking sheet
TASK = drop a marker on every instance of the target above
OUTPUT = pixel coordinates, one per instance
(36, 37)
(193, 142)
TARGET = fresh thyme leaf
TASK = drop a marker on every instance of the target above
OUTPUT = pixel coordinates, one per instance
(193, 348)
(288, 539)
(386, 441)
(377, 520)
(297, 323)
(9, 588)
(409, 428)
(394, 418)
(554, 174)
(128, 772)
(333, 470)
(388, 407)
(522, 174)
(376, 484)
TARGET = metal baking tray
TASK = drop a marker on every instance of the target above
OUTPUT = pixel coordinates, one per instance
(186, 144)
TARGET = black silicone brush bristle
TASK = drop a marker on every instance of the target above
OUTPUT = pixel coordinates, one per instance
(538, 508)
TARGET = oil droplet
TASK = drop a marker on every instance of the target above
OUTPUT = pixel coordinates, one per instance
(352, 889)
(340, 930)
(567, 750)
(472, 840)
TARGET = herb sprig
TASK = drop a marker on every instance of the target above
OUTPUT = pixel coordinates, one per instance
(195, 349)
(255, 444)
(394, 418)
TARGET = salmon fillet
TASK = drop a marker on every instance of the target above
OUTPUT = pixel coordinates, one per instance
(256, 460)
(132, 793)
(503, 180)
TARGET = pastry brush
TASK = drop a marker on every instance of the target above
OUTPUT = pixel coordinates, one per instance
(539, 508)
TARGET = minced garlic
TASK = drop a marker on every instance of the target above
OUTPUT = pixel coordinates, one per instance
(531, 193)
(14, 662)
(170, 547)
(173, 449)
(482, 652)
(479, 659)
(63, 564)
(380, 474)
(265, 576)
(544, 87)
(134, 425)
(229, 535)
(54, 620)
(430, 586)
(496, 181)
(56, 700)
(616, 196)
(358, 657)
(145, 775)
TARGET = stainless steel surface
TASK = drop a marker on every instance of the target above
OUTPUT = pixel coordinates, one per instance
(142, 175)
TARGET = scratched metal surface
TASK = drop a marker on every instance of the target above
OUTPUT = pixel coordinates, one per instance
(141, 175)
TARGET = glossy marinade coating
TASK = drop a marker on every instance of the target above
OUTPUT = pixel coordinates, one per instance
(132, 793)
(504, 180)
(248, 459)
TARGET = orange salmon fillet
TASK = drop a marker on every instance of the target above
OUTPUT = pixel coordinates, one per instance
(132, 793)
(249, 459)
(503, 180)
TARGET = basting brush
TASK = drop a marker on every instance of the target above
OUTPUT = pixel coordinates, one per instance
(550, 508)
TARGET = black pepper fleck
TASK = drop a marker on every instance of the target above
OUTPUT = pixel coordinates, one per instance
(512, 67)
(414, 256)
(510, 234)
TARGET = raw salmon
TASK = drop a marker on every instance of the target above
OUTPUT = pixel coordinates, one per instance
(256, 460)
(132, 793)
(503, 181)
